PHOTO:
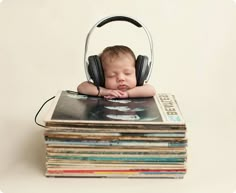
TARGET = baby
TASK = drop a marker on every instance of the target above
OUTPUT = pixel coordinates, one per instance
(118, 64)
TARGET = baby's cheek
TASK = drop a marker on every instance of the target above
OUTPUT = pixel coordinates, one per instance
(109, 84)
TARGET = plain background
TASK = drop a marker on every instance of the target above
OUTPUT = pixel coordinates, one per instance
(42, 51)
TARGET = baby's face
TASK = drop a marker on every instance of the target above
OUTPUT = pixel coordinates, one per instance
(119, 73)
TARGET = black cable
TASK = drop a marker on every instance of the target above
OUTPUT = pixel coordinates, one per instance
(35, 118)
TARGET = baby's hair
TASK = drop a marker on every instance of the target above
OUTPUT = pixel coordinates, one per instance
(115, 51)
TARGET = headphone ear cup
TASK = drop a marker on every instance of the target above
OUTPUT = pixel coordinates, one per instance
(95, 71)
(142, 69)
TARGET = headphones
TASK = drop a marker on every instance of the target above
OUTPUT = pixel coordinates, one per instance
(93, 66)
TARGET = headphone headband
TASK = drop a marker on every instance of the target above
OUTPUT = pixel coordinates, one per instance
(118, 18)
(109, 19)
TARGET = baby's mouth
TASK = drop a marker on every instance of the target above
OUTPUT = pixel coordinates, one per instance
(123, 87)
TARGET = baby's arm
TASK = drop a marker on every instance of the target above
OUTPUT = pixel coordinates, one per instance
(146, 90)
(89, 88)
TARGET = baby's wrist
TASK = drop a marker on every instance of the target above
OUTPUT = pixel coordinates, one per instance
(101, 91)
(128, 94)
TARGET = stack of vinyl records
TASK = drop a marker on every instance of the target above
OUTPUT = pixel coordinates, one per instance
(133, 138)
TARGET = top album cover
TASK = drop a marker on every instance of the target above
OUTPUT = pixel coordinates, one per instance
(73, 107)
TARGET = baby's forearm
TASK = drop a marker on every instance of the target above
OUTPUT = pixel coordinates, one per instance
(142, 91)
(88, 88)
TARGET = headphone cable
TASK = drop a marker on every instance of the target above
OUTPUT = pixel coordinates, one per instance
(35, 118)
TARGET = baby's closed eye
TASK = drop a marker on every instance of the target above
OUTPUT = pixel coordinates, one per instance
(110, 75)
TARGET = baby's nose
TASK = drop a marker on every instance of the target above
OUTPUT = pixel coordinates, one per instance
(120, 77)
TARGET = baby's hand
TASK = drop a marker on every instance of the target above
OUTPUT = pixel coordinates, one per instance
(124, 94)
(110, 94)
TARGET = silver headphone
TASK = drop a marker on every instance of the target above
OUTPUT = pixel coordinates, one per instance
(109, 19)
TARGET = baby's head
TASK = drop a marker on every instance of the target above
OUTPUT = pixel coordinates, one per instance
(118, 63)
(112, 53)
